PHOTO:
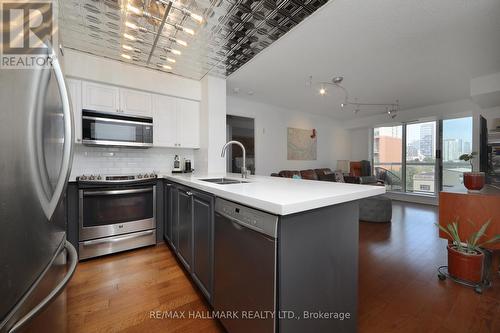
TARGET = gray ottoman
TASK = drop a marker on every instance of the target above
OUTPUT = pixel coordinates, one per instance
(375, 209)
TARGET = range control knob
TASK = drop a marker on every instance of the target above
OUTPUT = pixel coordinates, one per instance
(99, 177)
(91, 177)
(83, 177)
(152, 175)
(139, 176)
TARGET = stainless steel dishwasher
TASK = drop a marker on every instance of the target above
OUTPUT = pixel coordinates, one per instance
(245, 267)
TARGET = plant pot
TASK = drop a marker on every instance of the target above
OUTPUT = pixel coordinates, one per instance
(464, 266)
(474, 181)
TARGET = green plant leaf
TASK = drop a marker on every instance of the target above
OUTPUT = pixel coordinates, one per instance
(443, 229)
(453, 227)
(492, 240)
(480, 232)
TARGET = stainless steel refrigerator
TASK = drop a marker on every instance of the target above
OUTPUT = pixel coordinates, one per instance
(36, 140)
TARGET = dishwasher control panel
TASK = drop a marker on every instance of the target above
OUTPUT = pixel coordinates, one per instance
(254, 219)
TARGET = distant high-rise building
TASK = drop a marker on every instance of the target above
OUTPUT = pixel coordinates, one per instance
(467, 148)
(451, 150)
(427, 140)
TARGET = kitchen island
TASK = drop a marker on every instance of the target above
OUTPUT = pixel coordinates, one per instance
(281, 254)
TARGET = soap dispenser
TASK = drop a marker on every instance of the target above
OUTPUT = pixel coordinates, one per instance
(177, 165)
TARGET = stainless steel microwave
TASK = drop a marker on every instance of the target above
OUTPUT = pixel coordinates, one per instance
(108, 129)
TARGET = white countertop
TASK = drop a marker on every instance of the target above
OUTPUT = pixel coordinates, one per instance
(281, 196)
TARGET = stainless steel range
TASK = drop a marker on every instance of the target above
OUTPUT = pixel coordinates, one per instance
(116, 213)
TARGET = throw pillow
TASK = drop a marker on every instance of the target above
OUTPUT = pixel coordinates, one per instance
(339, 177)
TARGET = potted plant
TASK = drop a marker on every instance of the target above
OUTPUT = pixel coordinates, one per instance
(465, 259)
(473, 181)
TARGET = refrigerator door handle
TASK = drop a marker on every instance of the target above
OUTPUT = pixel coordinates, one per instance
(73, 260)
(49, 204)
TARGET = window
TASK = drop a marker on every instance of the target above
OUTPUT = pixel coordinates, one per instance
(425, 187)
(404, 156)
(420, 157)
(457, 140)
(387, 155)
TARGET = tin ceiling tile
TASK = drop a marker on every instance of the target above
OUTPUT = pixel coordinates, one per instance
(232, 31)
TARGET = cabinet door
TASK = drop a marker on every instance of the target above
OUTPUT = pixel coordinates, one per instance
(203, 222)
(164, 121)
(75, 94)
(100, 97)
(174, 237)
(188, 123)
(167, 213)
(185, 226)
(135, 102)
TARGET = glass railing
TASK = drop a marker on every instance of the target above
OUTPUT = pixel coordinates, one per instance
(390, 175)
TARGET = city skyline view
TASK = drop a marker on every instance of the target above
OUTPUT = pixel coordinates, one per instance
(420, 153)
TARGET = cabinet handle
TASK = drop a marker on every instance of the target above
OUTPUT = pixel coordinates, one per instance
(189, 193)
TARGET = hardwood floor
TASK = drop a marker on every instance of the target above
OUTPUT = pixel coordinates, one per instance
(117, 294)
(399, 290)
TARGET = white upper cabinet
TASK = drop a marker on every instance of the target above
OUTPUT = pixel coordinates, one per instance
(188, 123)
(135, 102)
(164, 121)
(176, 122)
(100, 97)
(75, 95)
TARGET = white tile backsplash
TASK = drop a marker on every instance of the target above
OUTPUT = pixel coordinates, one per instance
(102, 160)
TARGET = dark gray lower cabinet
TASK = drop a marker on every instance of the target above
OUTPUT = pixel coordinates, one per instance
(185, 225)
(188, 228)
(169, 211)
(203, 217)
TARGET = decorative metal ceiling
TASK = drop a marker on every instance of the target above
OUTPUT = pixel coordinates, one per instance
(232, 31)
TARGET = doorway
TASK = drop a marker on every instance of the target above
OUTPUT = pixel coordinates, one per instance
(241, 129)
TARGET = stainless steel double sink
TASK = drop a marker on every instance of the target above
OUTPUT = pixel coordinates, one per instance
(224, 181)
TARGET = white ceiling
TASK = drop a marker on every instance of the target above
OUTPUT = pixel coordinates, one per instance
(421, 52)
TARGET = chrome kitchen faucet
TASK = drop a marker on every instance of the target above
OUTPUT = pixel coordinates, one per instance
(243, 168)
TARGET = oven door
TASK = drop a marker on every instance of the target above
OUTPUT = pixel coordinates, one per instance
(116, 130)
(109, 212)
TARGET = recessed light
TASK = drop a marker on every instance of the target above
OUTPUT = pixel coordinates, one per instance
(134, 10)
(187, 30)
(181, 42)
(322, 91)
(171, 60)
(129, 37)
(131, 25)
(126, 56)
(196, 17)
(127, 47)
(176, 52)
(167, 67)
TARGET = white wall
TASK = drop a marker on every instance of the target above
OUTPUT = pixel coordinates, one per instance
(271, 124)
(360, 144)
(89, 67)
(212, 126)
